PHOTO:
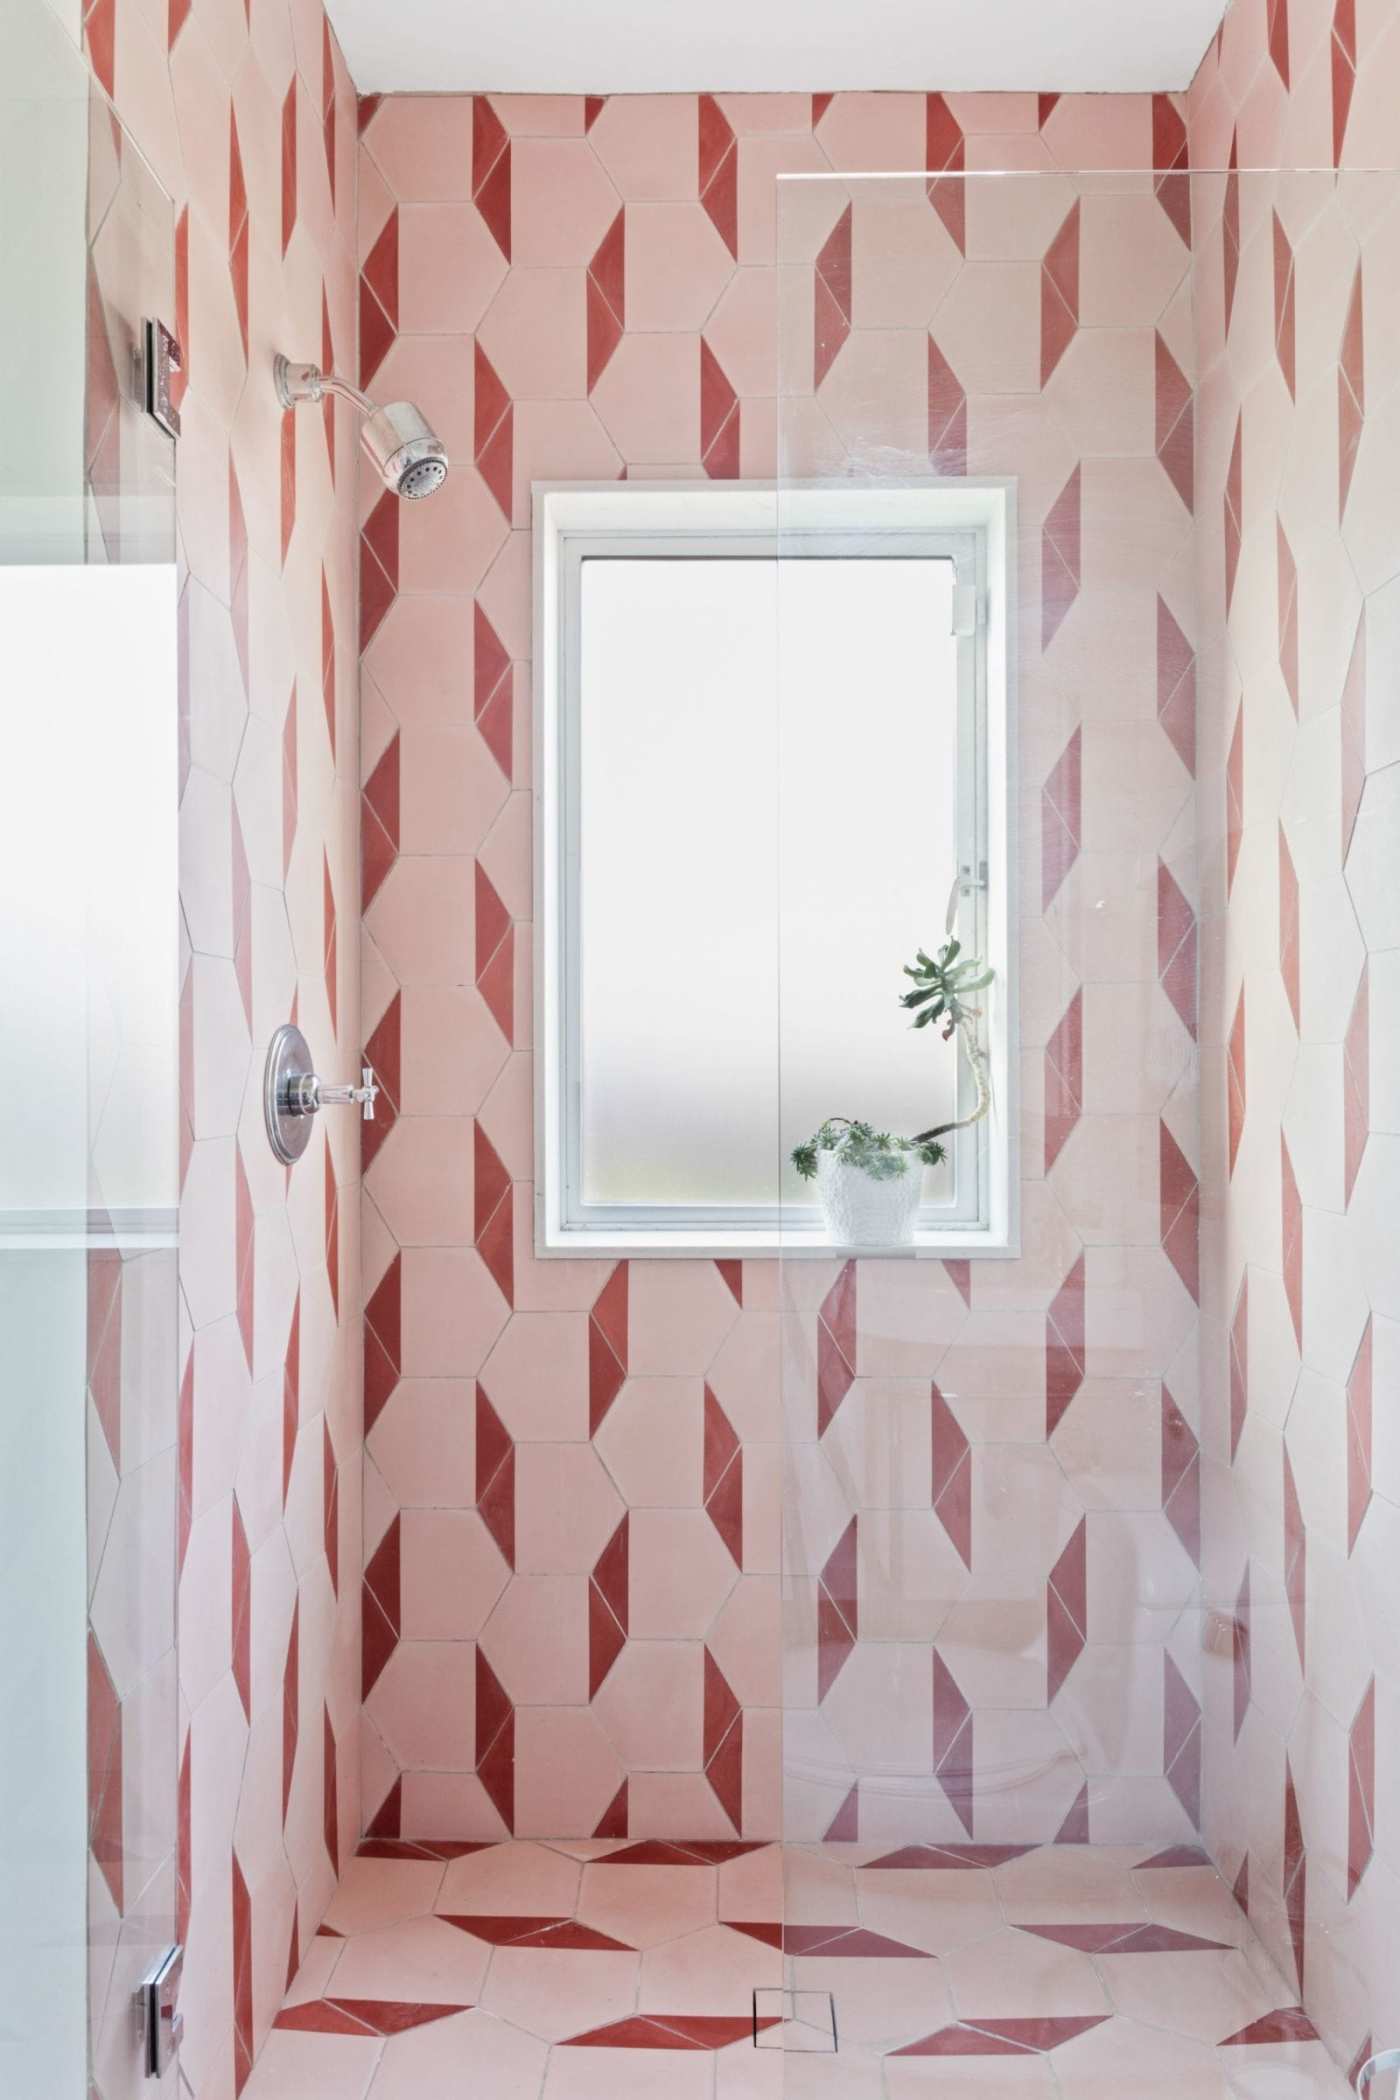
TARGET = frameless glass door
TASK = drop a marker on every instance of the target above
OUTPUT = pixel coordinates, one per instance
(88, 1085)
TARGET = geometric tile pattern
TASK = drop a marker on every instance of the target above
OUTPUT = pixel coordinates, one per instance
(603, 273)
(245, 122)
(1092, 1971)
(1295, 1297)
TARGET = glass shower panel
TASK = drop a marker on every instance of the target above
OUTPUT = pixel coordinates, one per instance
(88, 1084)
(1082, 1578)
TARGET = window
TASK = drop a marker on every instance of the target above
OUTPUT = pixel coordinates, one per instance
(772, 753)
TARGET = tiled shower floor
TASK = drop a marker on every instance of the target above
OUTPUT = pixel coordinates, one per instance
(622, 1971)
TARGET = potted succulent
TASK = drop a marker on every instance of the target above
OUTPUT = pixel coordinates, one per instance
(869, 1181)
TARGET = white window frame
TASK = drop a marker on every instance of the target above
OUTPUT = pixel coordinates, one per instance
(972, 521)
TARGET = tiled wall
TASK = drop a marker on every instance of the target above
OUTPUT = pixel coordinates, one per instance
(248, 118)
(1300, 831)
(573, 1479)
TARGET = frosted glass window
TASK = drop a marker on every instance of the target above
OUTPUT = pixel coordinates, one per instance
(767, 829)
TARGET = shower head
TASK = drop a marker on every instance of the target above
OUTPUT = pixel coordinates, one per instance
(397, 439)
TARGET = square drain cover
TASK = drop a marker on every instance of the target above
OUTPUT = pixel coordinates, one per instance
(802, 2022)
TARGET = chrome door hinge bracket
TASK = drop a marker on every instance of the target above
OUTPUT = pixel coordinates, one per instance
(159, 2026)
(161, 359)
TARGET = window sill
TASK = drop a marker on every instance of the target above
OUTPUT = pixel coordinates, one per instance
(764, 1243)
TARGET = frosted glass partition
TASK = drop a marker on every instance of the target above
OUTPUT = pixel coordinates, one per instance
(1045, 1528)
(89, 1086)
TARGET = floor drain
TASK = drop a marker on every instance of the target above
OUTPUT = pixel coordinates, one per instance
(802, 2022)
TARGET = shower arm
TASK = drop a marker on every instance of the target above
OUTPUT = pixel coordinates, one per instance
(309, 383)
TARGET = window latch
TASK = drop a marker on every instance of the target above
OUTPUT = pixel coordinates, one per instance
(967, 609)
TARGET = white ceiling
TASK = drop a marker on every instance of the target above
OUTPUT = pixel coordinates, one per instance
(671, 46)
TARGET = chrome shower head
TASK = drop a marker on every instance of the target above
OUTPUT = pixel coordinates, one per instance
(397, 439)
(404, 450)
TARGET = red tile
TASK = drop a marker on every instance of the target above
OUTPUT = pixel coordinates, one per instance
(607, 1346)
(1343, 73)
(1180, 1211)
(947, 415)
(1359, 1440)
(291, 1695)
(383, 1340)
(1351, 392)
(1061, 558)
(241, 1606)
(104, 1346)
(495, 1476)
(1059, 294)
(1044, 109)
(1176, 947)
(106, 1836)
(1361, 1790)
(1060, 819)
(243, 1244)
(330, 1503)
(847, 1943)
(1234, 511)
(1127, 1938)
(1064, 1347)
(1066, 1610)
(1181, 1739)
(1171, 158)
(328, 661)
(959, 1274)
(838, 1609)
(945, 159)
(606, 301)
(733, 1275)
(719, 419)
(613, 1821)
(238, 229)
(1002, 2037)
(832, 294)
(952, 1742)
(836, 1346)
(1290, 2024)
(289, 164)
(1292, 1240)
(1176, 424)
(1354, 733)
(1356, 1070)
(1176, 1856)
(381, 1607)
(1241, 1663)
(1181, 1476)
(1295, 1875)
(844, 1827)
(379, 562)
(718, 164)
(1235, 1077)
(495, 1740)
(1075, 1828)
(1176, 685)
(952, 1475)
(724, 1478)
(289, 781)
(608, 1605)
(1285, 316)
(950, 1858)
(1278, 37)
(244, 2037)
(100, 36)
(1064, 1079)
(383, 1054)
(491, 187)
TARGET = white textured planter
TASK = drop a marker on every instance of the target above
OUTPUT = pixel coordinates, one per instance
(863, 1212)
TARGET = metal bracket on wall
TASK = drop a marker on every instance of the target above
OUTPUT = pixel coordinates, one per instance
(161, 358)
(159, 2026)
